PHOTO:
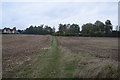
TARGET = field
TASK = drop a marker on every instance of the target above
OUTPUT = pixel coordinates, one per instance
(105, 48)
(45, 56)
(95, 57)
(21, 49)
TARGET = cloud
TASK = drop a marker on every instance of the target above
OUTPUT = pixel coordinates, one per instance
(23, 14)
(59, 0)
(119, 13)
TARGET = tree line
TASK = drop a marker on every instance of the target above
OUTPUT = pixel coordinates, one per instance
(98, 29)
(68, 30)
(42, 30)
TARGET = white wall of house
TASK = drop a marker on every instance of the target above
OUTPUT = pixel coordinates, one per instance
(9, 31)
(13, 31)
(5, 31)
(118, 28)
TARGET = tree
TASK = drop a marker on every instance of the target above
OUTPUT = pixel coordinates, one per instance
(87, 29)
(67, 29)
(62, 28)
(29, 30)
(108, 26)
(47, 29)
(20, 31)
(97, 29)
(53, 29)
(90, 29)
(99, 26)
(38, 30)
(74, 28)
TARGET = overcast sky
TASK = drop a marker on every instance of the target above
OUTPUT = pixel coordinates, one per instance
(24, 14)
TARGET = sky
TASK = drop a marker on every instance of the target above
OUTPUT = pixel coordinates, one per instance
(23, 14)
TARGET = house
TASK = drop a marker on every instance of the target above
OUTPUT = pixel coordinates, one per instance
(117, 28)
(9, 31)
(0, 31)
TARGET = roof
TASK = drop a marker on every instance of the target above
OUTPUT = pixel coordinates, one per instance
(9, 29)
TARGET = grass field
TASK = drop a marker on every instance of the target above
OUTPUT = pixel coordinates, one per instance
(38, 56)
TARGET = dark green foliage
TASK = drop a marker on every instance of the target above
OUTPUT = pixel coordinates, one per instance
(92, 30)
(20, 31)
(68, 30)
(113, 34)
(74, 28)
(39, 30)
(99, 26)
(108, 27)
(98, 29)
(88, 29)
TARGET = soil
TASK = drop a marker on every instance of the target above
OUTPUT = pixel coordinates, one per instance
(101, 47)
(20, 49)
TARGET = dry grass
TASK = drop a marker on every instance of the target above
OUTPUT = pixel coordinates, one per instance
(92, 57)
(21, 50)
(96, 46)
(93, 67)
(37, 56)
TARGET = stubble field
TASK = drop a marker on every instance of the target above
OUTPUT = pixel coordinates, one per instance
(21, 49)
(44, 56)
(104, 48)
(93, 57)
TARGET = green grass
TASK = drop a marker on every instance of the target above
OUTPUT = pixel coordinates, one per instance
(53, 67)
(69, 68)
(87, 57)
